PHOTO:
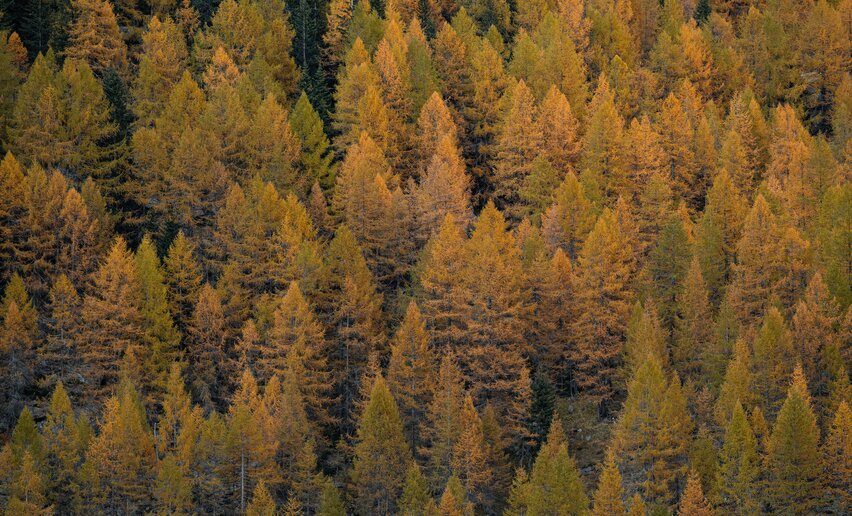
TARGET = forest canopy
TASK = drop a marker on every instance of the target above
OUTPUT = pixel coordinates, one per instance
(426, 257)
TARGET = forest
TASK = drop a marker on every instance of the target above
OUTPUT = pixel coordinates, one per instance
(426, 257)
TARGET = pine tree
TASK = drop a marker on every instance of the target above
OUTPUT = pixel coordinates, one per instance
(410, 372)
(793, 462)
(693, 502)
(603, 272)
(381, 453)
(739, 466)
(95, 37)
(609, 496)
(112, 320)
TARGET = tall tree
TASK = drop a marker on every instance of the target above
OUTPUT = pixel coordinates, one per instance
(411, 371)
(112, 320)
(604, 269)
(381, 454)
(793, 462)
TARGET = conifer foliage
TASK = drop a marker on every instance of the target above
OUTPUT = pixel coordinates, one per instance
(421, 257)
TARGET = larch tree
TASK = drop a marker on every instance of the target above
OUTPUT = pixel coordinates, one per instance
(756, 270)
(554, 483)
(692, 335)
(354, 323)
(737, 385)
(601, 164)
(95, 37)
(58, 352)
(609, 495)
(517, 145)
(382, 455)
(568, 221)
(183, 279)
(120, 460)
(643, 156)
(494, 306)
(604, 269)
(739, 466)
(411, 371)
(793, 461)
(718, 232)
(441, 425)
(434, 123)
(444, 189)
(208, 373)
(316, 156)
(693, 502)
(297, 329)
(161, 338)
(837, 459)
(112, 319)
(469, 458)
(773, 361)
